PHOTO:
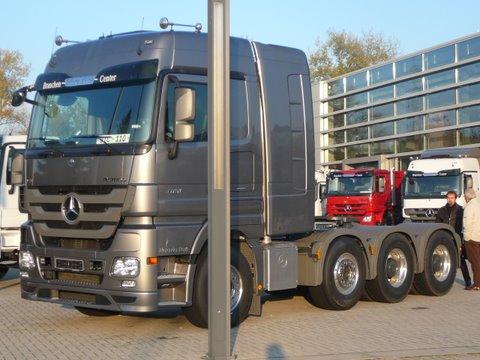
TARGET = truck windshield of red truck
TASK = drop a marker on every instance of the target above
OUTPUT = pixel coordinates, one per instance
(432, 185)
(359, 183)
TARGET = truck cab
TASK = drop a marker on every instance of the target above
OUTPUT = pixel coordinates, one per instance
(367, 196)
(436, 172)
(10, 216)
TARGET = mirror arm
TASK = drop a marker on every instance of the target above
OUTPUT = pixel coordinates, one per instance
(173, 150)
(33, 102)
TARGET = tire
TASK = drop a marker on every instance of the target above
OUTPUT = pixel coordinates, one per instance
(3, 271)
(197, 313)
(440, 268)
(330, 294)
(395, 271)
(96, 312)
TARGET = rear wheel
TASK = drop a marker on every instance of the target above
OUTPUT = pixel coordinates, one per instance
(343, 277)
(395, 270)
(440, 266)
(96, 312)
(241, 291)
(3, 271)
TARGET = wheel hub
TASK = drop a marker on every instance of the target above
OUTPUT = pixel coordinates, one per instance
(396, 267)
(236, 287)
(441, 263)
(346, 273)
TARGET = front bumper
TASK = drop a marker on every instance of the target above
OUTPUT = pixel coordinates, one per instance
(92, 285)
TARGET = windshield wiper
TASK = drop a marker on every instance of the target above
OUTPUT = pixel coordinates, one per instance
(49, 141)
(99, 137)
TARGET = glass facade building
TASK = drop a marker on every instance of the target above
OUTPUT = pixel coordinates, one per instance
(395, 110)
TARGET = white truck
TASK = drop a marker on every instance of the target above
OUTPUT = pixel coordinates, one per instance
(320, 194)
(430, 177)
(10, 216)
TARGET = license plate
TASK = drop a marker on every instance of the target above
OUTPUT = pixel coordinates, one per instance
(69, 264)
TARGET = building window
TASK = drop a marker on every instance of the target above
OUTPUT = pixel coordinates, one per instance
(408, 66)
(336, 121)
(469, 48)
(468, 72)
(382, 111)
(355, 117)
(403, 162)
(441, 139)
(409, 105)
(335, 105)
(440, 79)
(383, 93)
(469, 114)
(335, 87)
(470, 135)
(383, 147)
(357, 134)
(380, 74)
(441, 119)
(440, 57)
(357, 151)
(336, 154)
(410, 125)
(357, 99)
(357, 81)
(410, 143)
(469, 93)
(442, 98)
(336, 137)
(409, 87)
(383, 129)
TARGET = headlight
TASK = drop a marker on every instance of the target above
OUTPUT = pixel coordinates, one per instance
(367, 218)
(125, 266)
(26, 260)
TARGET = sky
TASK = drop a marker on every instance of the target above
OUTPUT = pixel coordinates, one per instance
(30, 25)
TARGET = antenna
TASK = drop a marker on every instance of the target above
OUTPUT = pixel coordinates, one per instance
(55, 37)
(143, 18)
(165, 23)
(59, 40)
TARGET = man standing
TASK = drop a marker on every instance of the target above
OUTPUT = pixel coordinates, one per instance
(471, 235)
(452, 214)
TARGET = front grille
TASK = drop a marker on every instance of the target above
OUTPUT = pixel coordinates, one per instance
(80, 190)
(78, 244)
(423, 214)
(85, 225)
(69, 278)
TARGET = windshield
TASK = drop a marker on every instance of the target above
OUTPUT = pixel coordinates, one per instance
(350, 184)
(93, 116)
(431, 186)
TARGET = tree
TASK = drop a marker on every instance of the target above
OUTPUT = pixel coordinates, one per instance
(13, 72)
(343, 52)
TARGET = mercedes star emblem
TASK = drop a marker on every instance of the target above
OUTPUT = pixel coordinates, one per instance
(347, 208)
(71, 209)
(430, 212)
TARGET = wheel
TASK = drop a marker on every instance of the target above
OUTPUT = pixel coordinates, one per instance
(96, 312)
(343, 277)
(3, 271)
(395, 271)
(440, 266)
(241, 290)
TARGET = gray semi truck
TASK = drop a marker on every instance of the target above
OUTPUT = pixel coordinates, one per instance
(115, 176)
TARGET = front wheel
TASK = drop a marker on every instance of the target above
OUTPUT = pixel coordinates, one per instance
(395, 269)
(440, 266)
(3, 271)
(241, 290)
(343, 277)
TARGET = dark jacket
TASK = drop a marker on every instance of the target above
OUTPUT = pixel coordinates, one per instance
(452, 215)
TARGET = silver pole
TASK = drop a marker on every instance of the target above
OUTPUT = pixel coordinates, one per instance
(219, 179)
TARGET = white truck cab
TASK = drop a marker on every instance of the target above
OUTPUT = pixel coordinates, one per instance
(10, 216)
(438, 171)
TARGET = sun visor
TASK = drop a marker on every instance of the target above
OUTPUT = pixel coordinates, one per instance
(112, 76)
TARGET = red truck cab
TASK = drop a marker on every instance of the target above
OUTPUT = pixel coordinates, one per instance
(369, 196)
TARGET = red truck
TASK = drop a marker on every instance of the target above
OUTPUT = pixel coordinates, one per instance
(368, 196)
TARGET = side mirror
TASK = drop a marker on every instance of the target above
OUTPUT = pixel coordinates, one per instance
(17, 169)
(18, 98)
(184, 114)
(468, 182)
(381, 184)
